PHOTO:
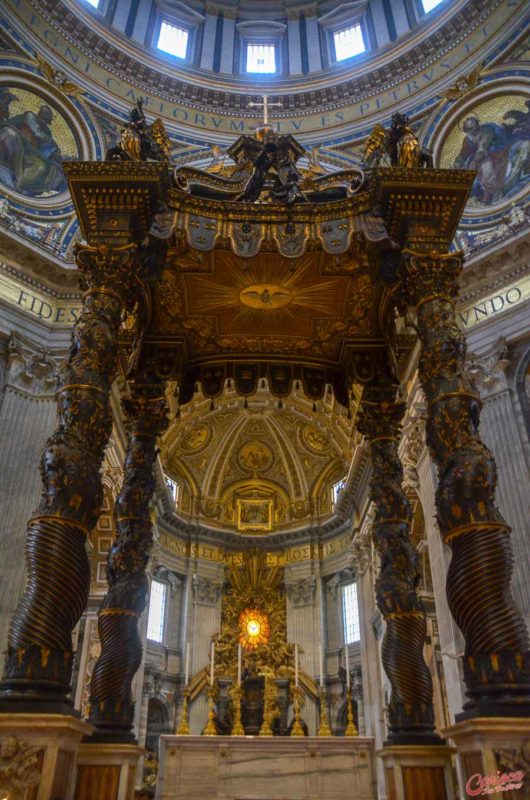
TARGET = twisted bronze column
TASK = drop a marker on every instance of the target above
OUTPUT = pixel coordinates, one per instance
(111, 702)
(39, 655)
(411, 712)
(497, 653)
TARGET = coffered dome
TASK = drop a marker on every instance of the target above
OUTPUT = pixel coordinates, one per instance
(256, 468)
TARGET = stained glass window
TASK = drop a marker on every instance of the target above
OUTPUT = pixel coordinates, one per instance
(350, 613)
(157, 611)
(173, 40)
(261, 58)
(349, 42)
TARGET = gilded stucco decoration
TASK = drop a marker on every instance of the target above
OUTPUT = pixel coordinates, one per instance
(260, 469)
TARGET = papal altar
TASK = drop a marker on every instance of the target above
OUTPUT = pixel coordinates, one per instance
(258, 768)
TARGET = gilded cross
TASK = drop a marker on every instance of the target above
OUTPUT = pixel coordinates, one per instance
(265, 106)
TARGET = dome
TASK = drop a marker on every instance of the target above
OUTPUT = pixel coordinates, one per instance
(258, 467)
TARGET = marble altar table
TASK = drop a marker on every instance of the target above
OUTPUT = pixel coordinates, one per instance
(276, 768)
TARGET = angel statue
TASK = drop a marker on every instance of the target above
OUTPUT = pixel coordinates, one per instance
(140, 141)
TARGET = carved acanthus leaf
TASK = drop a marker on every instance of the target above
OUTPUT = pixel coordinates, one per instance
(302, 592)
(206, 592)
(34, 371)
(489, 369)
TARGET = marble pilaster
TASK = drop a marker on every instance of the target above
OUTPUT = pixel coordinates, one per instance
(208, 41)
(314, 57)
(205, 622)
(295, 54)
(27, 418)
(227, 48)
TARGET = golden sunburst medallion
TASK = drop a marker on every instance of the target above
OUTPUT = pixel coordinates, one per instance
(254, 628)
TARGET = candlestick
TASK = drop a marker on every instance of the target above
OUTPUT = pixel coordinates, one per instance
(351, 730)
(324, 729)
(184, 727)
(211, 727)
(239, 663)
(297, 729)
(321, 659)
(187, 668)
(212, 663)
(296, 665)
(235, 694)
(347, 660)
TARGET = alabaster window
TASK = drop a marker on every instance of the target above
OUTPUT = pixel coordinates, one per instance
(157, 611)
(428, 5)
(350, 613)
(348, 42)
(173, 40)
(261, 58)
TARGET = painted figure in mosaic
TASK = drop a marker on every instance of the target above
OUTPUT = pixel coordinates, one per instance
(500, 154)
(30, 158)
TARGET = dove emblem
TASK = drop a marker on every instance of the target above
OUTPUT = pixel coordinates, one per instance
(265, 296)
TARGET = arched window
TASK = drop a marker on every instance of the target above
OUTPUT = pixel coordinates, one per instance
(156, 621)
(350, 613)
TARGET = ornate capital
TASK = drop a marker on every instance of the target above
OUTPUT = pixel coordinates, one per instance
(302, 592)
(146, 416)
(428, 275)
(33, 371)
(379, 415)
(107, 269)
(489, 369)
(206, 592)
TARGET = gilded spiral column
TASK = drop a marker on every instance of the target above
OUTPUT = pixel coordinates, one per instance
(411, 714)
(497, 648)
(111, 702)
(39, 655)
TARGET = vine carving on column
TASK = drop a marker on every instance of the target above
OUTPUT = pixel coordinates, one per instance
(497, 657)
(39, 655)
(411, 710)
(112, 706)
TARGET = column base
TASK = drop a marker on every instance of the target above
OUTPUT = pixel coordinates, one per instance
(42, 748)
(493, 746)
(418, 771)
(106, 771)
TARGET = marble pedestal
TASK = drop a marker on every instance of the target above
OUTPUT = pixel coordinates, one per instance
(254, 768)
(38, 755)
(106, 771)
(418, 772)
(493, 746)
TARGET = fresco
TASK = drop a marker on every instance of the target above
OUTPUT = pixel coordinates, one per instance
(492, 138)
(35, 139)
